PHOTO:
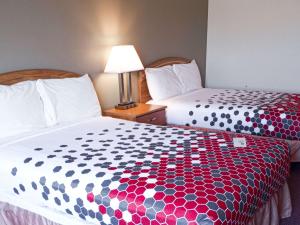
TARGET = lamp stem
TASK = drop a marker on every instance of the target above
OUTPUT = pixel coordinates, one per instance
(121, 87)
(129, 88)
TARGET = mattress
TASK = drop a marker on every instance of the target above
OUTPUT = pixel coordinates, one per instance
(260, 113)
(109, 171)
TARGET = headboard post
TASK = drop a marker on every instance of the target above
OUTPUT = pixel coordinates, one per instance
(143, 91)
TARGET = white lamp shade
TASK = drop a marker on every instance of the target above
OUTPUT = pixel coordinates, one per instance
(123, 59)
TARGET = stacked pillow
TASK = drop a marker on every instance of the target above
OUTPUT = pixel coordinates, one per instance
(32, 105)
(69, 99)
(21, 109)
(162, 82)
(170, 81)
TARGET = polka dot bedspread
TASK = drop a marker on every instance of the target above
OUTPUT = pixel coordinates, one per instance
(109, 171)
(260, 113)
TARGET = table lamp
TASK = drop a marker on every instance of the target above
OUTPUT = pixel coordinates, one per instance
(124, 59)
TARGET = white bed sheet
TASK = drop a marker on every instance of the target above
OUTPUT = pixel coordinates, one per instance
(178, 107)
(31, 208)
(183, 110)
(192, 107)
(31, 134)
(18, 145)
(21, 147)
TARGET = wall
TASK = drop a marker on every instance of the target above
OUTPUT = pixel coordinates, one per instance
(254, 44)
(76, 35)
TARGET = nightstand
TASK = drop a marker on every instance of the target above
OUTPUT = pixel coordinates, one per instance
(143, 113)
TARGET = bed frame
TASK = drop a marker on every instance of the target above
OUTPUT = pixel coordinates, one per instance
(143, 91)
(14, 77)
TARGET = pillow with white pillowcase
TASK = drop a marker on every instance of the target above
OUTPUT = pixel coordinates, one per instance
(189, 76)
(162, 83)
(68, 99)
(21, 109)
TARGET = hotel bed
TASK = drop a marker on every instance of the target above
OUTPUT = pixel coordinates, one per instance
(101, 170)
(267, 114)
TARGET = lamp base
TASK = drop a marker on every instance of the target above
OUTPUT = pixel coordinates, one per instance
(126, 105)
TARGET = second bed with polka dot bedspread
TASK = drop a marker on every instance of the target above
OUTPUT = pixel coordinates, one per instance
(268, 114)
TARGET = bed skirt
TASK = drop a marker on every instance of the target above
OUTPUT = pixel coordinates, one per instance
(295, 150)
(278, 207)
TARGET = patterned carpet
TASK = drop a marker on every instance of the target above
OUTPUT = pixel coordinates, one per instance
(294, 183)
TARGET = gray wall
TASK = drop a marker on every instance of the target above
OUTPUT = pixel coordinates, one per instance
(254, 44)
(76, 35)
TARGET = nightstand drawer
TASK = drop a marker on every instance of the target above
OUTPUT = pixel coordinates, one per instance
(156, 118)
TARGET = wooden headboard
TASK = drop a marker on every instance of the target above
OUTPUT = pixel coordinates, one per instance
(14, 77)
(144, 95)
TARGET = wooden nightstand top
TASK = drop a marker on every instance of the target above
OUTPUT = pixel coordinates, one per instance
(133, 113)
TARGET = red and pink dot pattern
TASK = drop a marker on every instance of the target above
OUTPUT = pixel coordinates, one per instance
(206, 181)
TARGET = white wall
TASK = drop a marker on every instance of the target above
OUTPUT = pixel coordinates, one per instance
(254, 44)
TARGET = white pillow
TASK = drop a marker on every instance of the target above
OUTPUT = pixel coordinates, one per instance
(162, 83)
(68, 99)
(21, 109)
(189, 76)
